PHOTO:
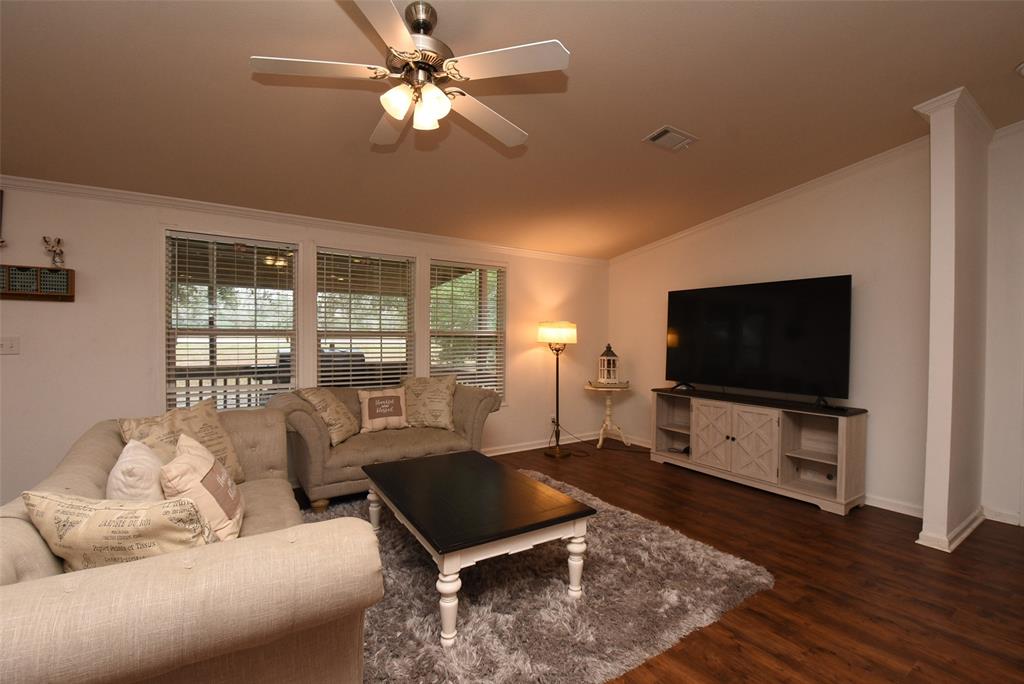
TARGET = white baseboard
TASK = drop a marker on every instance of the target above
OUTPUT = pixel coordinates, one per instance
(953, 538)
(637, 441)
(1009, 517)
(894, 505)
(536, 444)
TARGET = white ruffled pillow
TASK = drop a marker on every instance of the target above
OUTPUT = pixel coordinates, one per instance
(136, 475)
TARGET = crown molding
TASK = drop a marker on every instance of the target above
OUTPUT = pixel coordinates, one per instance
(166, 202)
(943, 101)
(819, 182)
(1008, 131)
(962, 97)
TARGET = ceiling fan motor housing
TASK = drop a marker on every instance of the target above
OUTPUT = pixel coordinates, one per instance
(422, 18)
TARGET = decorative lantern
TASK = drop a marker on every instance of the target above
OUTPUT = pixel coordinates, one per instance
(608, 367)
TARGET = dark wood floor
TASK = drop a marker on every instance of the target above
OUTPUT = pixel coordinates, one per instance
(855, 599)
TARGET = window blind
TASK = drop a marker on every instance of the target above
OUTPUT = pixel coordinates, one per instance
(467, 323)
(365, 319)
(230, 320)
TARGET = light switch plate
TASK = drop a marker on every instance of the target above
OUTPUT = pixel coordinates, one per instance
(10, 345)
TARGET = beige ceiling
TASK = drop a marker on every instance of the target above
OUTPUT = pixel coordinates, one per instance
(157, 97)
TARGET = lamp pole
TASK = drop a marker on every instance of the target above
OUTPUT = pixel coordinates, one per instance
(557, 349)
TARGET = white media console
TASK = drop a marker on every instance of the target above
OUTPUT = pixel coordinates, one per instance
(806, 452)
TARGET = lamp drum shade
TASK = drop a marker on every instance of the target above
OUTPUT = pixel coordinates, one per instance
(556, 332)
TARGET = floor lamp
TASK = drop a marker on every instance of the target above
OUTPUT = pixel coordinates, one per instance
(557, 334)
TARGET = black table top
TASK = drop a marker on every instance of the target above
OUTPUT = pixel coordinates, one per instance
(456, 501)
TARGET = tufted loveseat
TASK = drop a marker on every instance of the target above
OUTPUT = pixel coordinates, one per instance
(325, 471)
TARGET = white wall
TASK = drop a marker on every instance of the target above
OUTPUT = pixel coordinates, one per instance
(1003, 476)
(102, 355)
(870, 220)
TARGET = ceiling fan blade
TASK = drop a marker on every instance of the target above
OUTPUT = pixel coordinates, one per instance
(388, 130)
(488, 120)
(313, 67)
(387, 21)
(548, 55)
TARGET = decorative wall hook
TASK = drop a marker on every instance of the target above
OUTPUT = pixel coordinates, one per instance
(55, 248)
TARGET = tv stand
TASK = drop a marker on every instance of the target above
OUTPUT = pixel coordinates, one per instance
(684, 386)
(800, 450)
(822, 402)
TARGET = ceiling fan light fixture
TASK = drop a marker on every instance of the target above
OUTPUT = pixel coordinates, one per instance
(396, 102)
(435, 101)
(422, 119)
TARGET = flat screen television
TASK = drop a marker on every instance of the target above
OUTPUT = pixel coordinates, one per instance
(790, 336)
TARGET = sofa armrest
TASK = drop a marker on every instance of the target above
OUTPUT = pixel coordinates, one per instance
(309, 442)
(471, 407)
(140, 619)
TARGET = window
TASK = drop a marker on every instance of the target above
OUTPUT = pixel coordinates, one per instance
(364, 319)
(230, 320)
(467, 323)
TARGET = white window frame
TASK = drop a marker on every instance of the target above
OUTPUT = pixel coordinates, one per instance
(229, 389)
(367, 378)
(501, 325)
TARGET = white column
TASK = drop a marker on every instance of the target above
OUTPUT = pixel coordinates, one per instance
(960, 134)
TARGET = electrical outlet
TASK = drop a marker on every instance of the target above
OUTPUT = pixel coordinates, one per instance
(10, 345)
(553, 419)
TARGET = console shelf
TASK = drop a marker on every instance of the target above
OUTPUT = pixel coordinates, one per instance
(812, 455)
(803, 451)
(681, 429)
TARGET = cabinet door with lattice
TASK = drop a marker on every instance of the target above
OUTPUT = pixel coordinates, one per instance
(709, 440)
(755, 444)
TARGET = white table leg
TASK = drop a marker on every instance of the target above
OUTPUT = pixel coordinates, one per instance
(448, 586)
(576, 547)
(622, 435)
(371, 496)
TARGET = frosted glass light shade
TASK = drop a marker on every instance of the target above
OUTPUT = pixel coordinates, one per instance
(556, 332)
(396, 101)
(435, 102)
(422, 119)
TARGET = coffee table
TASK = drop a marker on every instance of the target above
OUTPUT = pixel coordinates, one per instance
(464, 508)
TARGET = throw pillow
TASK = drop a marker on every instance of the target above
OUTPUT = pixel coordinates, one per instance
(195, 474)
(383, 409)
(200, 422)
(136, 475)
(341, 424)
(429, 401)
(89, 533)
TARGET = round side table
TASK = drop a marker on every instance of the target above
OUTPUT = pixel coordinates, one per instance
(608, 427)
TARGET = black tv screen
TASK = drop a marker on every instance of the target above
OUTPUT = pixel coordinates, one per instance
(790, 336)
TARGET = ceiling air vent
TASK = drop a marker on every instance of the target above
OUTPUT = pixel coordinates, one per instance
(671, 139)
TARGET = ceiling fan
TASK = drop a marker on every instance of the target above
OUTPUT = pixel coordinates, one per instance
(422, 62)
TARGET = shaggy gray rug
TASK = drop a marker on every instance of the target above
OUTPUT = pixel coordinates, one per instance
(645, 586)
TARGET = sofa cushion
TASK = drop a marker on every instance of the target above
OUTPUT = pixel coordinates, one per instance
(90, 533)
(200, 422)
(382, 409)
(195, 474)
(269, 505)
(390, 445)
(429, 401)
(136, 475)
(341, 423)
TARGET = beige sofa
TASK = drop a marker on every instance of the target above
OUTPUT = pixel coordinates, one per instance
(284, 602)
(325, 471)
